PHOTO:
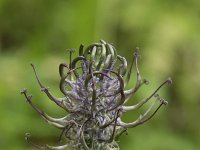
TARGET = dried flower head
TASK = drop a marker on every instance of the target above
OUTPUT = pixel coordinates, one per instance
(93, 85)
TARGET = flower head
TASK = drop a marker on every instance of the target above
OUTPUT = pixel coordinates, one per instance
(93, 85)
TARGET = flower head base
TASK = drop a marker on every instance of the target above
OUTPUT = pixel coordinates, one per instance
(93, 85)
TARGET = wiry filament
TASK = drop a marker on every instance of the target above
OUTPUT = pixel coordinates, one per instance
(63, 81)
(56, 122)
(58, 101)
(143, 118)
(138, 105)
(27, 138)
(61, 69)
(129, 72)
(61, 147)
(139, 81)
(81, 50)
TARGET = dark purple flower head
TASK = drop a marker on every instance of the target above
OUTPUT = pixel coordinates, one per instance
(93, 85)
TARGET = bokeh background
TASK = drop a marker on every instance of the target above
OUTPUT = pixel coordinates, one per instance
(40, 31)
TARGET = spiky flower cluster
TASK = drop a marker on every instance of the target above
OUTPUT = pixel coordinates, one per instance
(93, 85)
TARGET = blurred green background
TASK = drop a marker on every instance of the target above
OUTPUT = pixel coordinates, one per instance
(39, 32)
